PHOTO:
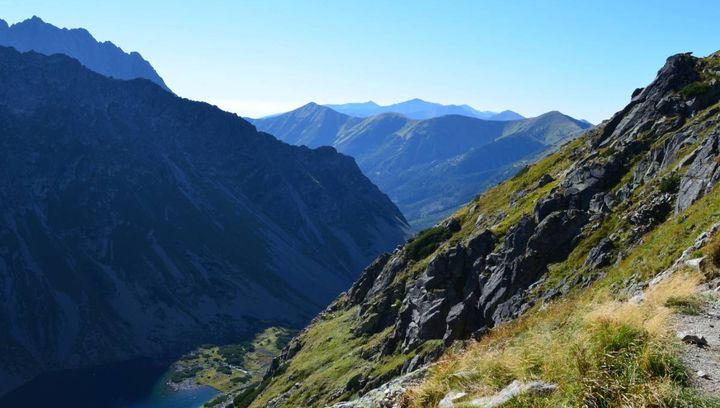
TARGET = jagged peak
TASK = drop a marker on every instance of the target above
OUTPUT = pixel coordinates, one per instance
(33, 34)
(35, 19)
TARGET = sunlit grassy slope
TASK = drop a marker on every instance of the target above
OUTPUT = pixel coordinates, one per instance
(597, 348)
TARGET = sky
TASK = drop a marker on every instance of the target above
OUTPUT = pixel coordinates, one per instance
(583, 58)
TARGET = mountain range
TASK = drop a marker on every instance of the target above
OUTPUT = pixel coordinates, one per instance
(137, 223)
(102, 57)
(428, 167)
(587, 280)
(420, 109)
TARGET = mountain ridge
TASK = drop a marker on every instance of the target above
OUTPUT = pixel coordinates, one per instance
(138, 223)
(417, 161)
(103, 57)
(419, 109)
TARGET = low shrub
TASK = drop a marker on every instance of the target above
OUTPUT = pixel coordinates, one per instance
(670, 184)
(695, 89)
(427, 242)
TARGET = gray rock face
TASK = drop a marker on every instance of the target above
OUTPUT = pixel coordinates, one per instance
(702, 174)
(448, 283)
(600, 255)
(651, 213)
(656, 100)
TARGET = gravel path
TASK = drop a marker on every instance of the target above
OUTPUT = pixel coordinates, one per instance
(703, 363)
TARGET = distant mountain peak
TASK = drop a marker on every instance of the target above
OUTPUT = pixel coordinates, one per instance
(106, 58)
(418, 108)
(35, 19)
(431, 166)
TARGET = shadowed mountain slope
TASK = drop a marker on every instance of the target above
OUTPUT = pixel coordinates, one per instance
(137, 223)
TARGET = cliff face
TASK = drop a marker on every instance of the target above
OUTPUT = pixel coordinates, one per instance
(136, 223)
(555, 228)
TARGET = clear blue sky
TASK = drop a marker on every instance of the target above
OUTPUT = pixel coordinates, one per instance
(583, 58)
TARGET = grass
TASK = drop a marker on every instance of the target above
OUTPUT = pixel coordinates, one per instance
(600, 352)
(331, 364)
(694, 89)
(427, 242)
(229, 367)
(688, 304)
(329, 359)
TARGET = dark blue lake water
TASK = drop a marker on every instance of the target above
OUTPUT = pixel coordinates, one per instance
(133, 384)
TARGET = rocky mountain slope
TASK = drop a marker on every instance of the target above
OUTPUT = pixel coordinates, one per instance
(420, 109)
(137, 223)
(554, 271)
(102, 57)
(429, 168)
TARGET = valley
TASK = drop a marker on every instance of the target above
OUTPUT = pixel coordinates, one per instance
(430, 167)
(158, 251)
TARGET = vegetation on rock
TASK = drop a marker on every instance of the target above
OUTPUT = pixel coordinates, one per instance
(545, 270)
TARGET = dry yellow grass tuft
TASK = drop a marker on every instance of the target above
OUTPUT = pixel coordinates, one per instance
(600, 352)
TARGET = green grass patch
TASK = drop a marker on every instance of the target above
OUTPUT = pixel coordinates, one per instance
(427, 242)
(688, 305)
(231, 367)
(694, 89)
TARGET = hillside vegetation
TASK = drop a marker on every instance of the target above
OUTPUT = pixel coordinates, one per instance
(566, 278)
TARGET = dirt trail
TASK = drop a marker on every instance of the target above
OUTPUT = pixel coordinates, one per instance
(703, 363)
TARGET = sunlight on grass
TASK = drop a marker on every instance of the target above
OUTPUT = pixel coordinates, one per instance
(603, 354)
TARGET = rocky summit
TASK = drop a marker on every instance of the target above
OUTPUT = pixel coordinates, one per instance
(597, 220)
(137, 223)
